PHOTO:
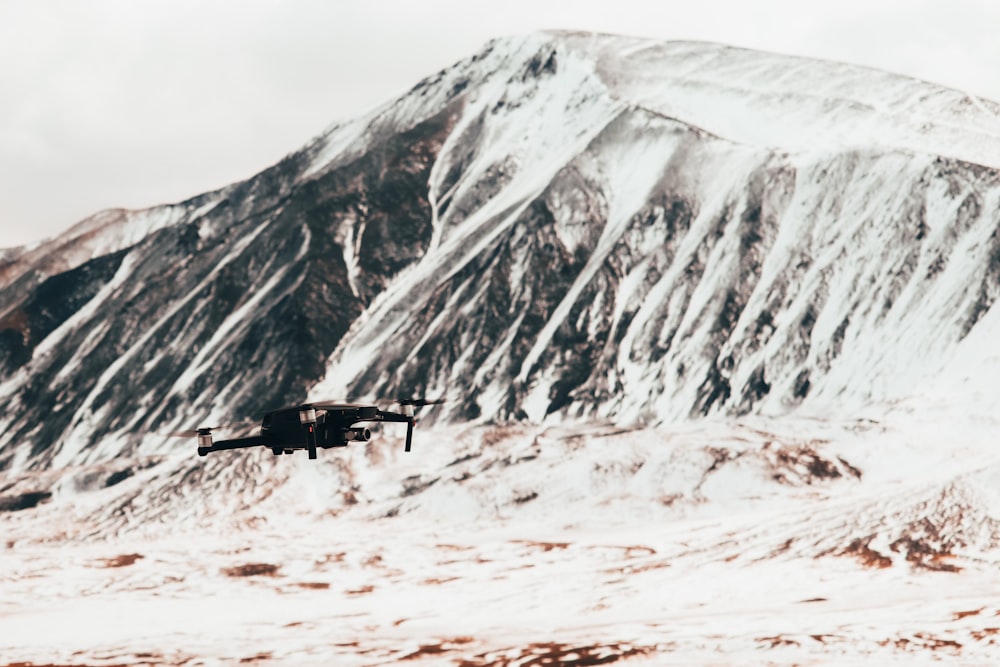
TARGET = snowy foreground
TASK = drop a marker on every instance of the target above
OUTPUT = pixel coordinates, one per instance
(722, 543)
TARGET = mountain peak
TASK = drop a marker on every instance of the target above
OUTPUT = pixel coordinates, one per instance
(791, 103)
(562, 226)
(746, 299)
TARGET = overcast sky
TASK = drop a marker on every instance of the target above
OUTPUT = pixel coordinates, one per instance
(132, 103)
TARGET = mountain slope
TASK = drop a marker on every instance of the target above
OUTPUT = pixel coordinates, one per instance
(560, 226)
(779, 255)
(750, 298)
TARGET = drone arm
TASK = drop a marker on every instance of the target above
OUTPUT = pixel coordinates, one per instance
(394, 417)
(235, 443)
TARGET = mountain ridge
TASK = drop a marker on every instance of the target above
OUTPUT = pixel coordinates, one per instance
(517, 226)
(758, 379)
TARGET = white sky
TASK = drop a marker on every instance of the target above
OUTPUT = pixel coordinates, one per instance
(137, 102)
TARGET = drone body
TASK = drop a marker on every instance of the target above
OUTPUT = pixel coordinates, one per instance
(314, 425)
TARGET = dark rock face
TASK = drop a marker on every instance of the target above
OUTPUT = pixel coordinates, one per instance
(512, 235)
(239, 307)
(751, 296)
(48, 306)
(23, 501)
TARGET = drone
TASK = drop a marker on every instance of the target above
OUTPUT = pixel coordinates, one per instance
(312, 426)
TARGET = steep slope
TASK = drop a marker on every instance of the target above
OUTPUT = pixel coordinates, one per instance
(781, 256)
(233, 307)
(794, 104)
(560, 226)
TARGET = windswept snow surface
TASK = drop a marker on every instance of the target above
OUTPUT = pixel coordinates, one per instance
(795, 104)
(719, 333)
(752, 542)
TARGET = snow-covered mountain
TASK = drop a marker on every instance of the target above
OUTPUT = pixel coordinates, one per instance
(718, 332)
(561, 225)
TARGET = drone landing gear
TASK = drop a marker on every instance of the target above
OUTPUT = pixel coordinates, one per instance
(311, 440)
(277, 451)
(203, 451)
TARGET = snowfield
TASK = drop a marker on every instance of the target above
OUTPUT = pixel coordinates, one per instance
(719, 333)
(723, 543)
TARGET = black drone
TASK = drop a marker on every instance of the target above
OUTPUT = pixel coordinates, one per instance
(314, 425)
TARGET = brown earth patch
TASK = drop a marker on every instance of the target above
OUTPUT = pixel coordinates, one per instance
(363, 590)
(630, 551)
(777, 640)
(803, 464)
(252, 570)
(638, 569)
(121, 561)
(861, 550)
(544, 546)
(566, 655)
(332, 558)
(980, 635)
(921, 553)
(638, 550)
(442, 647)
(922, 641)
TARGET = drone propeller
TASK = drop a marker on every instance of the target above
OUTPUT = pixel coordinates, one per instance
(190, 433)
(420, 402)
(205, 430)
(412, 405)
(341, 401)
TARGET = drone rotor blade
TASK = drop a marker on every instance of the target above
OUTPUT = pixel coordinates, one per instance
(420, 402)
(191, 433)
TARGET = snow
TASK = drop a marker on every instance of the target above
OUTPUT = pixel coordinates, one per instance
(638, 173)
(68, 449)
(795, 104)
(858, 524)
(706, 543)
(104, 233)
(552, 141)
(845, 181)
